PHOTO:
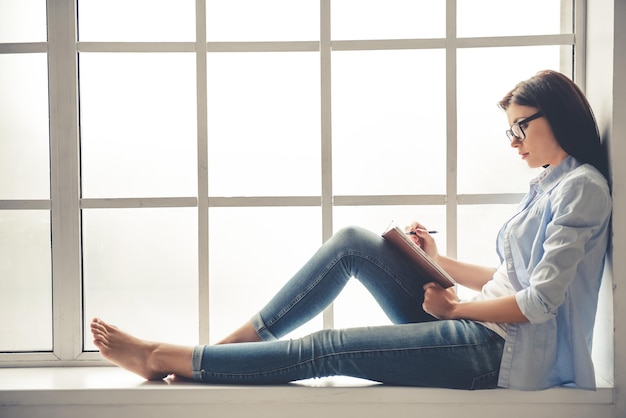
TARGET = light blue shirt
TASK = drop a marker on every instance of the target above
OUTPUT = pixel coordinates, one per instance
(554, 249)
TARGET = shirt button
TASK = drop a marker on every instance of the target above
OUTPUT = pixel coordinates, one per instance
(510, 265)
(509, 349)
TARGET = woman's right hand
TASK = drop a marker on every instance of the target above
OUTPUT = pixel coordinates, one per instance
(472, 276)
(422, 238)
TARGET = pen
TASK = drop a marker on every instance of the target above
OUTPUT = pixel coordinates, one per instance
(413, 233)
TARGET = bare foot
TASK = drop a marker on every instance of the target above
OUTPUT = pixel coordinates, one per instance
(125, 350)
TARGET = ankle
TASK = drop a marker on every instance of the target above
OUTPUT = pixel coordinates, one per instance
(155, 362)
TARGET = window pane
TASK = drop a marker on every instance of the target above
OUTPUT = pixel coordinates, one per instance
(267, 20)
(486, 161)
(513, 18)
(24, 147)
(253, 252)
(22, 21)
(379, 218)
(264, 129)
(141, 271)
(137, 20)
(388, 19)
(25, 286)
(355, 306)
(138, 125)
(389, 122)
(478, 230)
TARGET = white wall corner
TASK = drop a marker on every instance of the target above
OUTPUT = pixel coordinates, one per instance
(606, 90)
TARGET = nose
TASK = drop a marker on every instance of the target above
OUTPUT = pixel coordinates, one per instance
(516, 143)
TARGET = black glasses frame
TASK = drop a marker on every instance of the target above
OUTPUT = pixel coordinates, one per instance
(517, 126)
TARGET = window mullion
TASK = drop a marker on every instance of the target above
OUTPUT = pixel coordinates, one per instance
(65, 179)
(203, 180)
(580, 33)
(326, 135)
(451, 129)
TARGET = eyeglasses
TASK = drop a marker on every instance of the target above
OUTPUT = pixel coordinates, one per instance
(516, 132)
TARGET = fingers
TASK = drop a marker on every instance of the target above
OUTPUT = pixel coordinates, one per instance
(415, 227)
(431, 285)
(418, 230)
(419, 235)
(427, 304)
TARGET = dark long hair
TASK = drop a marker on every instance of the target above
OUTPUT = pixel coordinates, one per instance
(568, 112)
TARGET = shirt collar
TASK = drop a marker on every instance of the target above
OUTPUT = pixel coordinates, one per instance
(552, 175)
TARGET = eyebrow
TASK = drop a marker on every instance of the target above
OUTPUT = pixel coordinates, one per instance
(516, 120)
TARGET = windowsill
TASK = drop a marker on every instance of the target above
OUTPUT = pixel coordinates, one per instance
(59, 391)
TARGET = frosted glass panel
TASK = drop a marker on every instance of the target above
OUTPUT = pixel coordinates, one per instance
(264, 124)
(141, 271)
(378, 218)
(253, 252)
(388, 19)
(22, 21)
(267, 20)
(486, 161)
(24, 145)
(389, 122)
(136, 20)
(478, 231)
(513, 17)
(355, 306)
(138, 125)
(25, 281)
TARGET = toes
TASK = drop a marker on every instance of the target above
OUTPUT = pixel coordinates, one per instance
(100, 324)
(99, 338)
(97, 329)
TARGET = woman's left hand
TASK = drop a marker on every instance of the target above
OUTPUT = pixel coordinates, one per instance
(439, 302)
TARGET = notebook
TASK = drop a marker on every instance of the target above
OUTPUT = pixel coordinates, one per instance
(422, 261)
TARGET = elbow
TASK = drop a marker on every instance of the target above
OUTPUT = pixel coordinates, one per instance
(535, 308)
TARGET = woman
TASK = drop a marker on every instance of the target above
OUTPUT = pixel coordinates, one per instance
(530, 327)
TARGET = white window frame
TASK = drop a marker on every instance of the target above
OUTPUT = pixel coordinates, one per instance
(65, 201)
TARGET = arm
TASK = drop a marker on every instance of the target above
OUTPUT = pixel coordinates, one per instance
(443, 304)
(469, 275)
(574, 243)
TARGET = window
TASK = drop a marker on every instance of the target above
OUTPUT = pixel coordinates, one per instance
(25, 228)
(191, 143)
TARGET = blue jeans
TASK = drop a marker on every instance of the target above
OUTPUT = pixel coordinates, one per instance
(417, 350)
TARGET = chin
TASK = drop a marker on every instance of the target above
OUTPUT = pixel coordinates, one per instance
(534, 164)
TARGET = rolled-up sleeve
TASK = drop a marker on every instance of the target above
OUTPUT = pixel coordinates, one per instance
(533, 307)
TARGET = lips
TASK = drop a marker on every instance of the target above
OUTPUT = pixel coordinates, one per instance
(523, 155)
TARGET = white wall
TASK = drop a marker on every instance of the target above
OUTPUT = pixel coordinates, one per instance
(606, 90)
(599, 91)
